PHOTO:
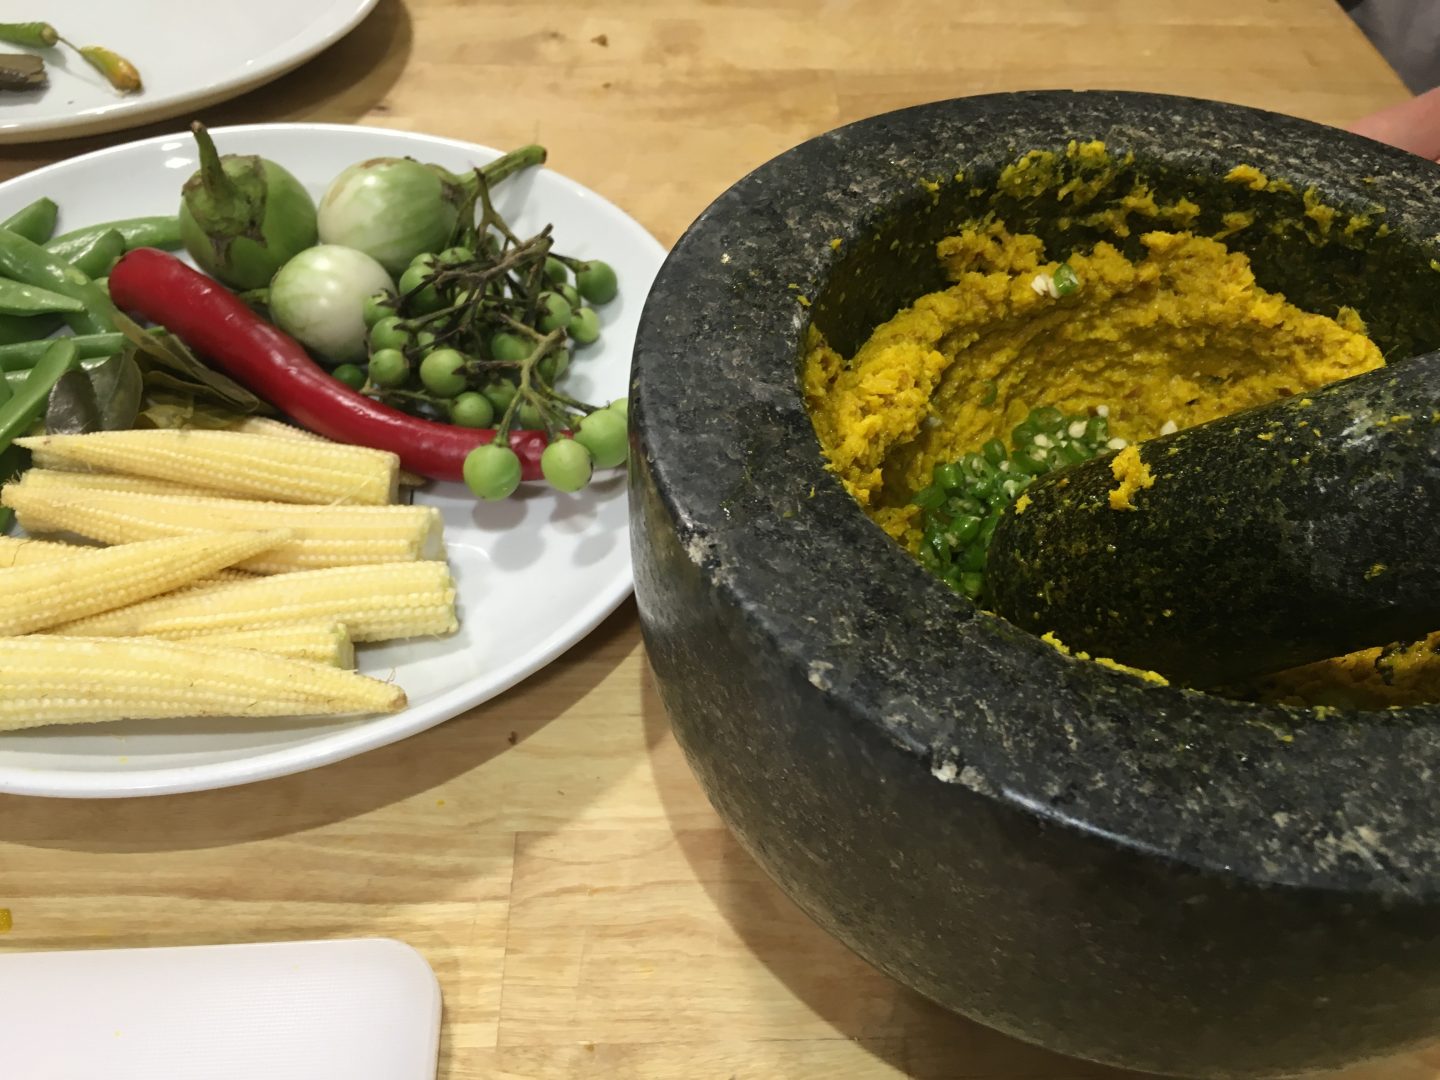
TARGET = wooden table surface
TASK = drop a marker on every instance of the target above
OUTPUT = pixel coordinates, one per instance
(549, 852)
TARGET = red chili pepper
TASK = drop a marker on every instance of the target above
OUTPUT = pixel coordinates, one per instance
(271, 364)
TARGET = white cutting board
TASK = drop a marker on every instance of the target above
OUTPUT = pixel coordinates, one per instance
(306, 1010)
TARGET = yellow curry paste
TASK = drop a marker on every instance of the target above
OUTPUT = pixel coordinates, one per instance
(1181, 335)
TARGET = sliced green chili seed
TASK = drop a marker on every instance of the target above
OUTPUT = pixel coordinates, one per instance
(1047, 418)
(986, 488)
(950, 476)
(1066, 280)
(965, 529)
(941, 551)
(1032, 460)
(973, 557)
(929, 497)
(957, 532)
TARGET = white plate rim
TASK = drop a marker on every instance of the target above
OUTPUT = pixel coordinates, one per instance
(372, 733)
(128, 112)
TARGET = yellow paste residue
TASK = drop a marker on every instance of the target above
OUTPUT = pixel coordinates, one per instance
(1133, 475)
(1321, 214)
(1182, 332)
(1104, 661)
(1234, 221)
(1379, 678)
(1255, 180)
(1022, 503)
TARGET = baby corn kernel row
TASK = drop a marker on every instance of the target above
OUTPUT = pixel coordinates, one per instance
(242, 567)
(48, 501)
(233, 463)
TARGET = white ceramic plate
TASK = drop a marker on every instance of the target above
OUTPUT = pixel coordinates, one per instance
(189, 54)
(535, 573)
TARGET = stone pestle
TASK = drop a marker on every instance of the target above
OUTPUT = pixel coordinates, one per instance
(1287, 533)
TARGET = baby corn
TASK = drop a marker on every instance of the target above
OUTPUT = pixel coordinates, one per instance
(47, 679)
(47, 500)
(23, 551)
(263, 425)
(319, 642)
(48, 594)
(79, 482)
(27, 551)
(232, 463)
(375, 603)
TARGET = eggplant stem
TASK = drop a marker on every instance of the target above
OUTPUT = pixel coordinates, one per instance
(525, 157)
(212, 172)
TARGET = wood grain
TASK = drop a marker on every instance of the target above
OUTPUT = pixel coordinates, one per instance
(549, 852)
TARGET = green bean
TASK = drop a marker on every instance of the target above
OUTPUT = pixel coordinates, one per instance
(20, 406)
(17, 299)
(25, 354)
(35, 222)
(96, 259)
(28, 402)
(157, 232)
(15, 328)
(31, 264)
(16, 378)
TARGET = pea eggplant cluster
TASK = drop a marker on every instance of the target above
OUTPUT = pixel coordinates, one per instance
(961, 506)
(481, 335)
(407, 285)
